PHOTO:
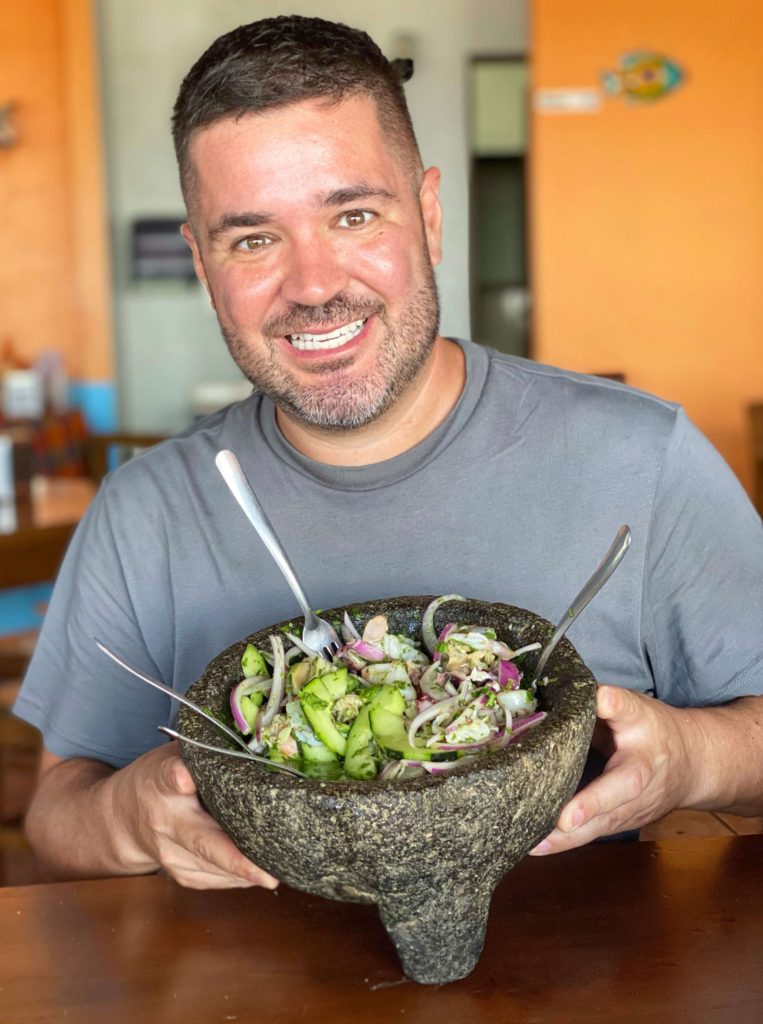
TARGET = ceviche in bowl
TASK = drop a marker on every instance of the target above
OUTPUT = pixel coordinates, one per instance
(389, 706)
(432, 765)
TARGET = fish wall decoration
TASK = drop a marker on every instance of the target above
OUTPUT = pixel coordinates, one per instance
(643, 76)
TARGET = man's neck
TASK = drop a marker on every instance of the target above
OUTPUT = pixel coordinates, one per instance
(418, 412)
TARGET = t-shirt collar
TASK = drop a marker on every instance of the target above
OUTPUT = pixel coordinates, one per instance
(389, 471)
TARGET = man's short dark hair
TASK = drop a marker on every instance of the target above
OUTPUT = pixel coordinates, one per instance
(277, 61)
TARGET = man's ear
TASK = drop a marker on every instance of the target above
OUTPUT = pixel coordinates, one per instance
(431, 212)
(198, 263)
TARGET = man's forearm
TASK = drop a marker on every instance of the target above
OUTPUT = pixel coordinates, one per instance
(72, 826)
(728, 757)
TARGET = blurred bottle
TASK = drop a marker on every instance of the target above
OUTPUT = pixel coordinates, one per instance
(21, 386)
(55, 382)
(8, 520)
(23, 397)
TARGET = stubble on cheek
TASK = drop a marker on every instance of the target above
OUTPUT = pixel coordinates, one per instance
(333, 400)
(336, 398)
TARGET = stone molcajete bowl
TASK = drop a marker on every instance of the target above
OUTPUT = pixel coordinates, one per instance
(429, 851)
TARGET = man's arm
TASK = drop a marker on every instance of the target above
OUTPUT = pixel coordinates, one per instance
(662, 758)
(88, 820)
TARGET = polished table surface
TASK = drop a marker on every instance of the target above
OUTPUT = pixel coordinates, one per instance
(666, 932)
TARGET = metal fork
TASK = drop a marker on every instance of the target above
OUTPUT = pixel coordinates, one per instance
(289, 769)
(317, 634)
(246, 753)
(591, 588)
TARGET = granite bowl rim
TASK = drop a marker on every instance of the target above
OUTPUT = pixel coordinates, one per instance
(498, 762)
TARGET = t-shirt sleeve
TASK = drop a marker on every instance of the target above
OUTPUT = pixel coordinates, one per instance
(83, 703)
(703, 592)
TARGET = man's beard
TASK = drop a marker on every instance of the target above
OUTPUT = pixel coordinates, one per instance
(333, 402)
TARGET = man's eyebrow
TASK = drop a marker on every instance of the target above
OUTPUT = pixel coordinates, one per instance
(352, 193)
(337, 197)
(237, 220)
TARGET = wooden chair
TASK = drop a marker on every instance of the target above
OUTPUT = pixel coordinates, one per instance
(19, 743)
(105, 451)
(20, 746)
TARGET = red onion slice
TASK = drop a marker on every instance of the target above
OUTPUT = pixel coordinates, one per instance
(248, 686)
(348, 630)
(368, 651)
(440, 707)
(508, 673)
(519, 725)
(444, 634)
(428, 634)
(474, 745)
(276, 690)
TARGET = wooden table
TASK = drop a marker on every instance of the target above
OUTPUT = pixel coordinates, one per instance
(32, 552)
(665, 933)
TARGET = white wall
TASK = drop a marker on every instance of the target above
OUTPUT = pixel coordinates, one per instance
(167, 337)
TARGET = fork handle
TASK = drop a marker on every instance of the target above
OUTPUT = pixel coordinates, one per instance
(591, 588)
(232, 473)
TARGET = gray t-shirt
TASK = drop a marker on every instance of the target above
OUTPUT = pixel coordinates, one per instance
(515, 497)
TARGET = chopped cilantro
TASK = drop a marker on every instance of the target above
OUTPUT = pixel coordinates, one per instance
(313, 701)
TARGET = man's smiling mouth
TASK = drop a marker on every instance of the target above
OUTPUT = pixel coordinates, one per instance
(335, 339)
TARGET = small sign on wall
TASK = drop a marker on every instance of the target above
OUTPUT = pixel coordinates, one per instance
(567, 101)
(640, 77)
(159, 251)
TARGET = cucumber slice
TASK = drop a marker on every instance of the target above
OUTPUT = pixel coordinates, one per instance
(359, 761)
(392, 736)
(317, 700)
(253, 663)
(369, 693)
(318, 762)
(250, 705)
(387, 696)
(316, 753)
(335, 683)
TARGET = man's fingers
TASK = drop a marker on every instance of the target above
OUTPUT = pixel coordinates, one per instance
(619, 785)
(216, 848)
(174, 777)
(195, 876)
(210, 853)
(623, 817)
(192, 847)
(619, 706)
(182, 779)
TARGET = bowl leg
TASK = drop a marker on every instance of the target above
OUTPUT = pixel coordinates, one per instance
(438, 938)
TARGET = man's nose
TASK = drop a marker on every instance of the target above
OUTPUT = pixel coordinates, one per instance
(314, 274)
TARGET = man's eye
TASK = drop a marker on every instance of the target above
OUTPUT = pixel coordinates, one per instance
(253, 243)
(356, 219)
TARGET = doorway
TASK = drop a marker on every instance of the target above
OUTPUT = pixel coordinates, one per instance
(500, 295)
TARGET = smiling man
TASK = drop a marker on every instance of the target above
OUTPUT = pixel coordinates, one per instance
(325, 292)
(393, 460)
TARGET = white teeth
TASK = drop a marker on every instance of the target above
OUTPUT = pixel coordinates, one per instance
(336, 339)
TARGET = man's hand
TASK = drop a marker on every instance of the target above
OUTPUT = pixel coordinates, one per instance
(167, 825)
(87, 820)
(649, 771)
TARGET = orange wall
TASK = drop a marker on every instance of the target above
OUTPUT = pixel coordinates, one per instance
(647, 221)
(54, 265)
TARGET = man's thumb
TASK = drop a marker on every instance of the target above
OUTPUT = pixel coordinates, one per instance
(608, 702)
(177, 778)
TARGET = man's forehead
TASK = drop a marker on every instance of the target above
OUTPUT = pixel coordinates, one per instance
(352, 116)
(308, 151)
